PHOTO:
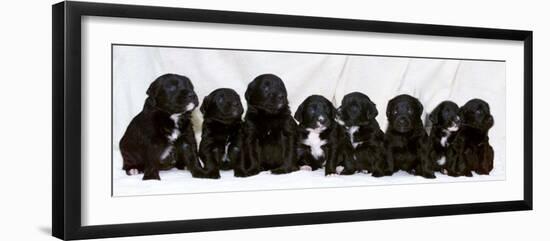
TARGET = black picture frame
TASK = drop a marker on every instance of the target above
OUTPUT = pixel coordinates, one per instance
(66, 86)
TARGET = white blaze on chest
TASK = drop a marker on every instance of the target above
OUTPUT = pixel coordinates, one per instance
(442, 161)
(225, 158)
(446, 134)
(172, 136)
(175, 132)
(351, 132)
(315, 142)
(166, 152)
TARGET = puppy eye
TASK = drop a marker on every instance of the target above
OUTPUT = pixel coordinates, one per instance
(478, 112)
(410, 111)
(394, 112)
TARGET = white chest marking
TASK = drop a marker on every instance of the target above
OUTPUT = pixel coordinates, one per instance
(444, 138)
(166, 152)
(339, 121)
(351, 132)
(175, 132)
(447, 132)
(314, 142)
(441, 161)
(173, 136)
(225, 157)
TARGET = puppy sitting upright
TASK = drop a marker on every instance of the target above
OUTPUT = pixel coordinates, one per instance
(445, 124)
(357, 114)
(161, 136)
(407, 143)
(269, 130)
(321, 139)
(471, 151)
(220, 144)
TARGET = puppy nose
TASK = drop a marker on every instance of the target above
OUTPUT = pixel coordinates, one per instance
(322, 119)
(402, 121)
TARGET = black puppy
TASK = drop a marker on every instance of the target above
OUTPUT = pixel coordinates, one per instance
(161, 136)
(445, 124)
(322, 140)
(357, 114)
(471, 151)
(269, 130)
(221, 143)
(407, 143)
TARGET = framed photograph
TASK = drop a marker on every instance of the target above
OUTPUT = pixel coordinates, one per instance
(171, 120)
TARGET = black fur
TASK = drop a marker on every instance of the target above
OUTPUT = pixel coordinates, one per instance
(270, 141)
(471, 151)
(221, 144)
(146, 139)
(445, 124)
(316, 117)
(359, 112)
(407, 143)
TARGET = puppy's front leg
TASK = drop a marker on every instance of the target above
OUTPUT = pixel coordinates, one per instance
(486, 161)
(211, 157)
(289, 154)
(425, 166)
(380, 166)
(248, 161)
(234, 151)
(151, 168)
(187, 153)
(332, 160)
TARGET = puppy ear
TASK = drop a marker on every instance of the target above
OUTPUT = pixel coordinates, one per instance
(372, 111)
(150, 103)
(388, 108)
(461, 113)
(153, 89)
(433, 115)
(489, 122)
(248, 92)
(332, 110)
(298, 114)
(205, 103)
(152, 92)
(419, 106)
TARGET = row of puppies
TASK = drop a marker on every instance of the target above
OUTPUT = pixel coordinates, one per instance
(161, 136)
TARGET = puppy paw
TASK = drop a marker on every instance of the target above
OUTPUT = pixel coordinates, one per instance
(306, 168)
(280, 171)
(151, 176)
(339, 169)
(378, 174)
(132, 172)
(428, 175)
(347, 172)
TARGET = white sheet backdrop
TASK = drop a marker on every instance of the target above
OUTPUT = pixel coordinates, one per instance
(333, 76)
